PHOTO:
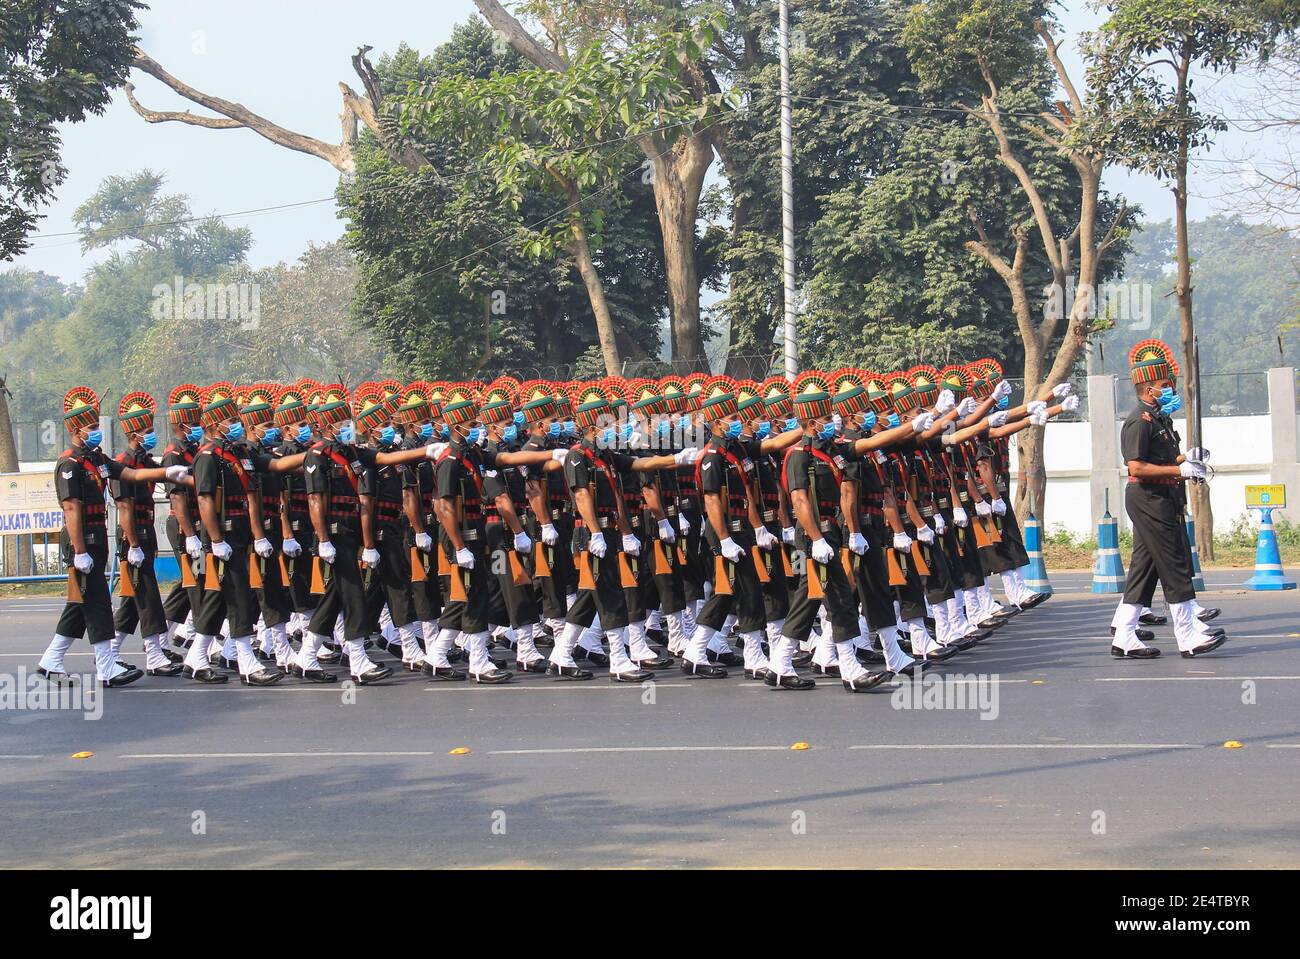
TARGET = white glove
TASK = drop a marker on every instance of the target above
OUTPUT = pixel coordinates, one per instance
(1062, 389)
(1034, 407)
(291, 547)
(263, 547)
(550, 535)
(822, 551)
(684, 524)
(940, 526)
(326, 551)
(176, 473)
(1002, 390)
(424, 542)
(787, 535)
(631, 545)
(83, 562)
(946, 402)
(982, 508)
(194, 546)
(559, 455)
(731, 550)
(1070, 403)
(1197, 454)
(135, 556)
(687, 456)
(597, 545)
(370, 557)
(1190, 470)
(222, 550)
(922, 423)
(998, 419)
(959, 517)
(764, 538)
(666, 531)
(925, 535)
(523, 542)
(434, 450)
(1000, 506)
(966, 407)
(1038, 419)
(464, 558)
(858, 543)
(902, 542)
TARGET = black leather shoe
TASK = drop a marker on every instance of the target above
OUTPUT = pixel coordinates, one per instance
(574, 673)
(1151, 619)
(124, 679)
(367, 643)
(832, 670)
(375, 674)
(533, 666)
(703, 670)
(445, 673)
(583, 654)
(493, 677)
(328, 654)
(222, 662)
(631, 676)
(205, 675)
(1146, 652)
(905, 644)
(58, 677)
(659, 662)
(965, 642)
(788, 682)
(656, 636)
(263, 677)
(313, 675)
(1036, 600)
(1209, 613)
(1143, 634)
(870, 657)
(413, 665)
(455, 655)
(915, 667)
(1207, 647)
(761, 673)
(544, 641)
(940, 654)
(171, 669)
(724, 659)
(263, 656)
(173, 657)
(801, 659)
(991, 623)
(869, 681)
(980, 635)
(392, 649)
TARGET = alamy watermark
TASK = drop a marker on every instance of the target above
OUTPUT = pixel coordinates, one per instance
(974, 691)
(30, 691)
(1126, 304)
(211, 302)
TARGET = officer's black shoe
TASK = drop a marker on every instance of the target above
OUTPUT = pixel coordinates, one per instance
(392, 649)
(657, 636)
(263, 677)
(171, 669)
(965, 642)
(929, 624)
(793, 681)
(801, 659)
(173, 657)
(328, 654)
(375, 674)
(124, 678)
(574, 673)
(295, 636)
(727, 658)
(455, 655)
(1143, 634)
(368, 643)
(867, 681)
(1151, 619)
(124, 664)
(445, 673)
(593, 657)
(413, 665)
(761, 673)
(532, 666)
(990, 624)
(870, 657)
(493, 677)
(940, 654)
(659, 662)
(1145, 652)
(978, 637)
(832, 670)
(1209, 613)
(705, 670)
(313, 675)
(1207, 647)
(544, 641)
(905, 644)
(631, 676)
(58, 677)
(914, 668)
(205, 675)
(263, 656)
(1036, 600)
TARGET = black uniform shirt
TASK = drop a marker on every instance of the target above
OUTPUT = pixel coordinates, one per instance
(82, 475)
(140, 494)
(229, 472)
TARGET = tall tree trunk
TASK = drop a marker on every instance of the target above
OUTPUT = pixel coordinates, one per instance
(8, 464)
(1198, 493)
(580, 249)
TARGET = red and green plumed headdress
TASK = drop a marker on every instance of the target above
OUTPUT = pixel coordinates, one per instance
(749, 400)
(499, 400)
(590, 401)
(645, 398)
(218, 405)
(985, 375)
(925, 385)
(717, 397)
(848, 392)
(878, 396)
(136, 411)
(331, 406)
(290, 406)
(413, 404)
(185, 404)
(812, 395)
(369, 407)
(536, 401)
(80, 408)
(1152, 361)
(460, 404)
(776, 396)
(257, 404)
(957, 379)
(673, 391)
(899, 387)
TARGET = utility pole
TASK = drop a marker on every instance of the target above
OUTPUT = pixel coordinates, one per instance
(787, 196)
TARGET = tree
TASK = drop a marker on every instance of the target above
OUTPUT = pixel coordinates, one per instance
(1142, 62)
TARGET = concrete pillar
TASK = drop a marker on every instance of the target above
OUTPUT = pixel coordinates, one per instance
(1282, 425)
(1107, 470)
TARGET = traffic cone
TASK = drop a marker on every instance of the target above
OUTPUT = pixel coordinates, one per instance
(1268, 561)
(1198, 580)
(1108, 572)
(1036, 571)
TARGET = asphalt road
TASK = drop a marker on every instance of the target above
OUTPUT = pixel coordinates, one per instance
(1083, 761)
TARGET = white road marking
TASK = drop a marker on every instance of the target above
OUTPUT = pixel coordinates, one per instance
(329, 755)
(1032, 746)
(22, 757)
(1178, 679)
(570, 687)
(637, 749)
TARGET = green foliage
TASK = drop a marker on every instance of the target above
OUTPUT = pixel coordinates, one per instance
(956, 43)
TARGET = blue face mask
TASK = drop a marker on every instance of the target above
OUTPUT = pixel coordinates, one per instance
(893, 421)
(791, 424)
(763, 430)
(1004, 403)
(235, 431)
(1169, 401)
(665, 427)
(271, 437)
(827, 431)
(519, 419)
(473, 435)
(733, 429)
(148, 441)
(304, 434)
(607, 437)
(347, 434)
(445, 432)
(426, 431)
(94, 438)
(570, 428)
(195, 435)
(626, 430)
(510, 433)
(868, 419)
(553, 431)
(388, 436)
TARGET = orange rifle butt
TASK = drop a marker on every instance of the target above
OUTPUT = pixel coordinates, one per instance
(124, 585)
(663, 565)
(816, 585)
(255, 578)
(418, 573)
(922, 568)
(211, 579)
(317, 577)
(895, 568)
(457, 591)
(75, 592)
(541, 568)
(585, 579)
(760, 565)
(721, 582)
(187, 571)
(518, 575)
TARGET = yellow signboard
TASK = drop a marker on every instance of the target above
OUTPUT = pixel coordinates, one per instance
(1271, 496)
(28, 504)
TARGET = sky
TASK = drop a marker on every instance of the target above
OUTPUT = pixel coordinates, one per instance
(284, 59)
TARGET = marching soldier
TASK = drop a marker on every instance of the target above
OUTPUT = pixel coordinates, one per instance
(1154, 500)
(183, 407)
(292, 419)
(80, 477)
(549, 521)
